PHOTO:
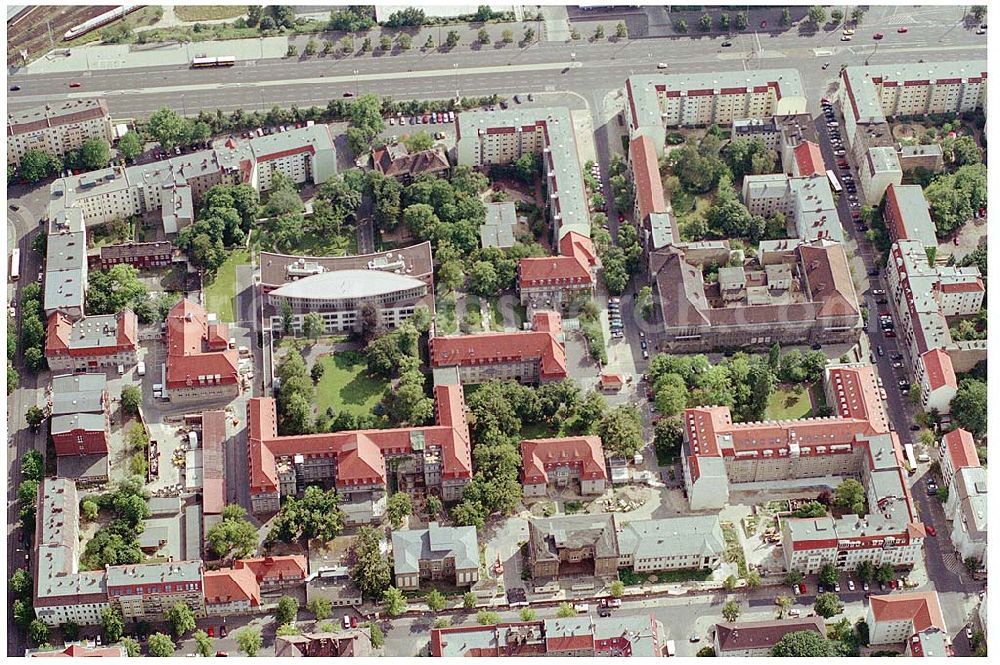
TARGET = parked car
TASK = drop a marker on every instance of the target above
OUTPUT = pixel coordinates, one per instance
(802, 588)
(15, 88)
(850, 585)
(726, 44)
(878, 35)
(662, 65)
(931, 531)
(582, 608)
(901, 29)
(517, 99)
(604, 612)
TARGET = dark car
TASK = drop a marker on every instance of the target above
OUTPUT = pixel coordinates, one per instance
(348, 94)
(817, 346)
(15, 88)
(914, 428)
(222, 630)
(727, 43)
(604, 612)
(74, 84)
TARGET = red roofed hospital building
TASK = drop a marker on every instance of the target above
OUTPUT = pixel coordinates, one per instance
(856, 441)
(535, 356)
(231, 591)
(273, 572)
(436, 459)
(201, 366)
(558, 462)
(92, 343)
(958, 451)
(913, 619)
(551, 282)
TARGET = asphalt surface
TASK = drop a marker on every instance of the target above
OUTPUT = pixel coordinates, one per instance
(592, 72)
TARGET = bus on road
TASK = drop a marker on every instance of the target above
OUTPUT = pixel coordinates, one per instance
(221, 61)
(834, 183)
(15, 265)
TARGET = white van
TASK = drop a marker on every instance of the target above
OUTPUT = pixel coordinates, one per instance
(140, 369)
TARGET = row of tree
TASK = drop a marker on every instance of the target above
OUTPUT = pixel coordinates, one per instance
(33, 328)
(225, 216)
(954, 197)
(37, 164)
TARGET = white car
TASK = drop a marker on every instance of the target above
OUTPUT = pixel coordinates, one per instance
(661, 65)
(850, 585)
(582, 608)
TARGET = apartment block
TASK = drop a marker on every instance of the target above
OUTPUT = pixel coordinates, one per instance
(66, 264)
(910, 619)
(435, 459)
(338, 287)
(437, 553)
(806, 201)
(147, 591)
(966, 507)
(57, 128)
(924, 297)
(755, 639)
(80, 414)
(535, 356)
(201, 366)
(276, 572)
(501, 137)
(907, 215)
(958, 451)
(877, 171)
(231, 591)
(562, 461)
(142, 255)
(92, 343)
(554, 282)
(619, 636)
(659, 101)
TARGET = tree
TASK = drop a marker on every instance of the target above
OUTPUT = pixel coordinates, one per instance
(38, 632)
(434, 506)
(828, 575)
(34, 416)
(786, 17)
(316, 515)
(180, 618)
(730, 583)
(418, 141)
(94, 154)
(617, 589)
(836, 15)
(160, 646)
(621, 30)
(487, 618)
(203, 643)
(527, 614)
(32, 465)
(828, 605)
(817, 15)
(321, 608)
(313, 325)
(484, 36)
(131, 646)
(436, 601)
(24, 613)
(706, 652)
(529, 36)
(21, 584)
(131, 399)
(398, 508)
(112, 624)
(753, 579)
(794, 577)
(287, 611)
(393, 601)
(450, 275)
(37, 165)
(803, 644)
(978, 12)
(621, 431)
(507, 36)
(370, 572)
(168, 128)
(865, 571)
(942, 494)
(705, 22)
(680, 25)
(565, 610)
(131, 145)
(724, 22)
(110, 291)
(376, 635)
(249, 641)
(452, 39)
(810, 509)
(885, 573)
(741, 21)
(405, 42)
(483, 279)
(783, 603)
(234, 535)
(969, 406)
(731, 610)
(850, 495)
(469, 600)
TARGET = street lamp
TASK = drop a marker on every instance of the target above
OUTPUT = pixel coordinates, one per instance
(355, 82)
(455, 68)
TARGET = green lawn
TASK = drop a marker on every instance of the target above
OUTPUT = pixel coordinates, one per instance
(346, 386)
(209, 12)
(314, 244)
(446, 324)
(220, 294)
(496, 315)
(630, 578)
(785, 404)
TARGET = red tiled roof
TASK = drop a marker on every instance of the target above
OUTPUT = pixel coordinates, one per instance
(59, 331)
(228, 585)
(495, 348)
(961, 449)
(188, 336)
(577, 255)
(922, 609)
(857, 395)
(80, 651)
(288, 567)
(450, 435)
(969, 286)
(546, 321)
(360, 462)
(646, 173)
(809, 159)
(580, 246)
(829, 278)
(213, 434)
(940, 372)
(612, 380)
(540, 455)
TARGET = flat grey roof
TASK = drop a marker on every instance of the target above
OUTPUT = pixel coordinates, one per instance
(671, 536)
(435, 542)
(177, 571)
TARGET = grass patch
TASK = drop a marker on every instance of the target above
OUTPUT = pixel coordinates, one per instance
(573, 507)
(220, 294)
(345, 385)
(497, 323)
(445, 317)
(313, 244)
(632, 578)
(209, 12)
(787, 403)
(734, 551)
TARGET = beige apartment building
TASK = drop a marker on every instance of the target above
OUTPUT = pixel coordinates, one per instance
(56, 128)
